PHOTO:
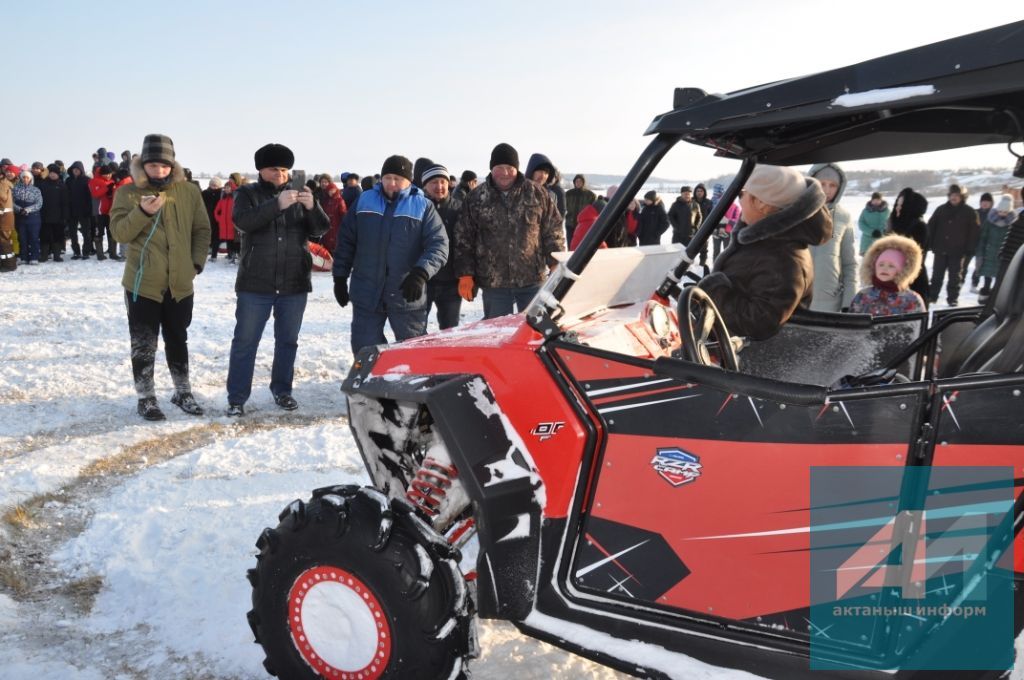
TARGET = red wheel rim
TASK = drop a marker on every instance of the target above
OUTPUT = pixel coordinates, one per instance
(338, 625)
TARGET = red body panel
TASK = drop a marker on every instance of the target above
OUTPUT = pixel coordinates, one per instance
(744, 488)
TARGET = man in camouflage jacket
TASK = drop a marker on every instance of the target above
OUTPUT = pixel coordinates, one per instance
(508, 229)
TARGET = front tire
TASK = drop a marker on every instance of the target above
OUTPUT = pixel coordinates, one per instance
(355, 586)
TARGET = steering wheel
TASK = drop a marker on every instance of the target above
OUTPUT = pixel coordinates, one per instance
(703, 331)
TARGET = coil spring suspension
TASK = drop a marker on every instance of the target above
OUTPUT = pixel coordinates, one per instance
(429, 486)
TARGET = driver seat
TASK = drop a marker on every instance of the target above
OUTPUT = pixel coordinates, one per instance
(981, 349)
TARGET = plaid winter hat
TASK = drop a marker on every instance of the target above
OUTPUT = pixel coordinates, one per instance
(157, 149)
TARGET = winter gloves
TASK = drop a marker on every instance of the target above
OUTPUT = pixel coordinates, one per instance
(412, 286)
(467, 288)
(341, 291)
(413, 283)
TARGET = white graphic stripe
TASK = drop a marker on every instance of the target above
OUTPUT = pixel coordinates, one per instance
(600, 563)
(646, 403)
(623, 388)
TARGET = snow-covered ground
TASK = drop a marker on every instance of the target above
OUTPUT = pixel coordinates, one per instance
(124, 544)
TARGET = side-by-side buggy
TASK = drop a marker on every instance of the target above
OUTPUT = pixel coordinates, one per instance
(615, 475)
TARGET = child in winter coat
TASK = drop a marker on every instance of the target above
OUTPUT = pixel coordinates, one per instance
(891, 264)
(225, 224)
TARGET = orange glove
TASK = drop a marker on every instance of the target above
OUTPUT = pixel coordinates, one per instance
(467, 288)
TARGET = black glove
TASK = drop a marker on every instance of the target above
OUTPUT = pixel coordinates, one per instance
(341, 291)
(876, 233)
(412, 284)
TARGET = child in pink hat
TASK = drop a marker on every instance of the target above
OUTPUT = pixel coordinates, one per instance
(891, 264)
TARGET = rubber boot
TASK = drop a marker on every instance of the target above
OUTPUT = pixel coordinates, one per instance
(97, 243)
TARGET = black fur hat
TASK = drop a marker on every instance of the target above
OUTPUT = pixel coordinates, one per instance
(274, 156)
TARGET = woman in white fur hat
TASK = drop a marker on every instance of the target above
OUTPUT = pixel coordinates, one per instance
(766, 273)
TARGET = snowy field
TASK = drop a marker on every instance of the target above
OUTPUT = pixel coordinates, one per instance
(124, 544)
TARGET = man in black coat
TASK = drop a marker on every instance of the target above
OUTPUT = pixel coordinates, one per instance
(653, 220)
(79, 211)
(953, 231)
(685, 216)
(443, 287)
(54, 214)
(274, 223)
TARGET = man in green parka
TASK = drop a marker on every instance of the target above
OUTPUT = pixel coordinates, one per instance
(162, 219)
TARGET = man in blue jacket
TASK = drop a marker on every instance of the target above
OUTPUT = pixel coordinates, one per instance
(391, 243)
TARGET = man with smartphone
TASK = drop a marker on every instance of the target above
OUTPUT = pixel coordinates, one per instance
(273, 220)
(166, 250)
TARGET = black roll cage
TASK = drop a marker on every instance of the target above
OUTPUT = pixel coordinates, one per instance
(951, 94)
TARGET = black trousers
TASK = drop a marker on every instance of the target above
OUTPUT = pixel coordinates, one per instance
(52, 234)
(147, 319)
(943, 264)
(76, 226)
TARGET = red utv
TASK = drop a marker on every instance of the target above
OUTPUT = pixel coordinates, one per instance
(645, 489)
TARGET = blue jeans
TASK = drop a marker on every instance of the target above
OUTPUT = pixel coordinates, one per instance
(29, 227)
(499, 301)
(445, 294)
(368, 325)
(251, 314)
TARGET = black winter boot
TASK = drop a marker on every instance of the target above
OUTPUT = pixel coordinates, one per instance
(187, 403)
(149, 410)
(98, 245)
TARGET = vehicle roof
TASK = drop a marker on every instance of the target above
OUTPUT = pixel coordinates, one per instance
(962, 89)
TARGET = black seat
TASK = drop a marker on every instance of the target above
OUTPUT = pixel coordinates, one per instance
(983, 349)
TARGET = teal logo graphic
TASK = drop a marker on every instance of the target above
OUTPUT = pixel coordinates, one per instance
(911, 568)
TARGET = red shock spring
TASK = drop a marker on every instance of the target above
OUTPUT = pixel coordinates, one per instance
(428, 488)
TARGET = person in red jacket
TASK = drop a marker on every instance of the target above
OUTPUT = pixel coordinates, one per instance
(224, 221)
(334, 205)
(120, 178)
(101, 186)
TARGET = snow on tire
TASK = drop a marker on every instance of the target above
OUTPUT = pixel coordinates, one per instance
(355, 586)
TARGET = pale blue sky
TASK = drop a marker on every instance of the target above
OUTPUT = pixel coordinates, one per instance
(345, 84)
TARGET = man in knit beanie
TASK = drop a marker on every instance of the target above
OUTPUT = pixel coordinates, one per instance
(503, 242)
(396, 225)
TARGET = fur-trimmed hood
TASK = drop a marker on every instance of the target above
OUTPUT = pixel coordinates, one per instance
(141, 179)
(911, 251)
(804, 221)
